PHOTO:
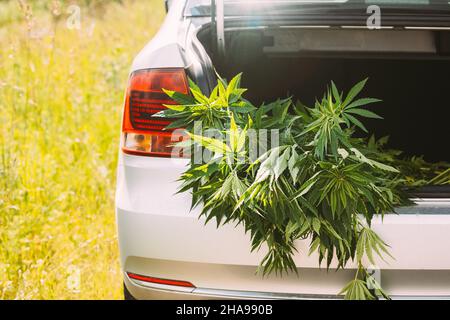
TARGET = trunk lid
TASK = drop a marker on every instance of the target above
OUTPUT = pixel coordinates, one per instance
(371, 14)
(420, 13)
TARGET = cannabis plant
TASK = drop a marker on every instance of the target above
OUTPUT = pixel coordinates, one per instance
(318, 182)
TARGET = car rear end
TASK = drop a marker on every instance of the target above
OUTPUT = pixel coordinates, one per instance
(161, 239)
(167, 252)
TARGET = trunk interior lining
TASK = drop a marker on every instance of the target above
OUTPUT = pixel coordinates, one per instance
(414, 89)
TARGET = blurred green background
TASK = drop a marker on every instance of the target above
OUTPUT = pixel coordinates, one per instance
(62, 80)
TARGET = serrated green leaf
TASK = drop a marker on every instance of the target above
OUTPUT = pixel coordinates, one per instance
(316, 225)
(362, 102)
(212, 144)
(181, 98)
(354, 92)
(364, 113)
(356, 122)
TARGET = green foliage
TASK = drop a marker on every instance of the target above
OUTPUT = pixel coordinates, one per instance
(319, 183)
(357, 290)
(413, 171)
(210, 110)
(61, 93)
(363, 287)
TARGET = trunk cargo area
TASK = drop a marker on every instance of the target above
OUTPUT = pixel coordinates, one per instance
(414, 86)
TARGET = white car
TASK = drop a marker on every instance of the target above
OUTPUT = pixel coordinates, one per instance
(283, 47)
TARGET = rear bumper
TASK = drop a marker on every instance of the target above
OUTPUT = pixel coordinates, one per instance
(148, 291)
(145, 291)
(160, 237)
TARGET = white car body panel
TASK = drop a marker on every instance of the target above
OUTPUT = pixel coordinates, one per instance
(149, 193)
(165, 49)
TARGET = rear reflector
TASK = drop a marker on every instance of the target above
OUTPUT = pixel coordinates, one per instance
(168, 282)
(143, 132)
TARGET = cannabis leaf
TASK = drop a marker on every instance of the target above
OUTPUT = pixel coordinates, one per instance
(357, 290)
(319, 183)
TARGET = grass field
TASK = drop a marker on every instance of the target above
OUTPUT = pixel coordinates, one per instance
(61, 92)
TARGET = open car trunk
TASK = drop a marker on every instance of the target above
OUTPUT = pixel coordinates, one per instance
(408, 70)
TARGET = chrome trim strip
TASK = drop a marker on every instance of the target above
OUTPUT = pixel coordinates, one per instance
(332, 27)
(365, 27)
(431, 200)
(237, 294)
(227, 29)
(297, 296)
(427, 28)
(305, 27)
(230, 29)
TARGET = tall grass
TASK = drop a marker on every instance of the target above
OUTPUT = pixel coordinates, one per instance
(61, 93)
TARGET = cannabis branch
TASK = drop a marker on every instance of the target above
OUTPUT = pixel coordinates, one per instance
(320, 183)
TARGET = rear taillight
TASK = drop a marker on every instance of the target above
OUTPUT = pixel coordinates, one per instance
(167, 282)
(143, 132)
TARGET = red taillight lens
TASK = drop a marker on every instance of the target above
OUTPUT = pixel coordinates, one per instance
(143, 133)
(168, 282)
